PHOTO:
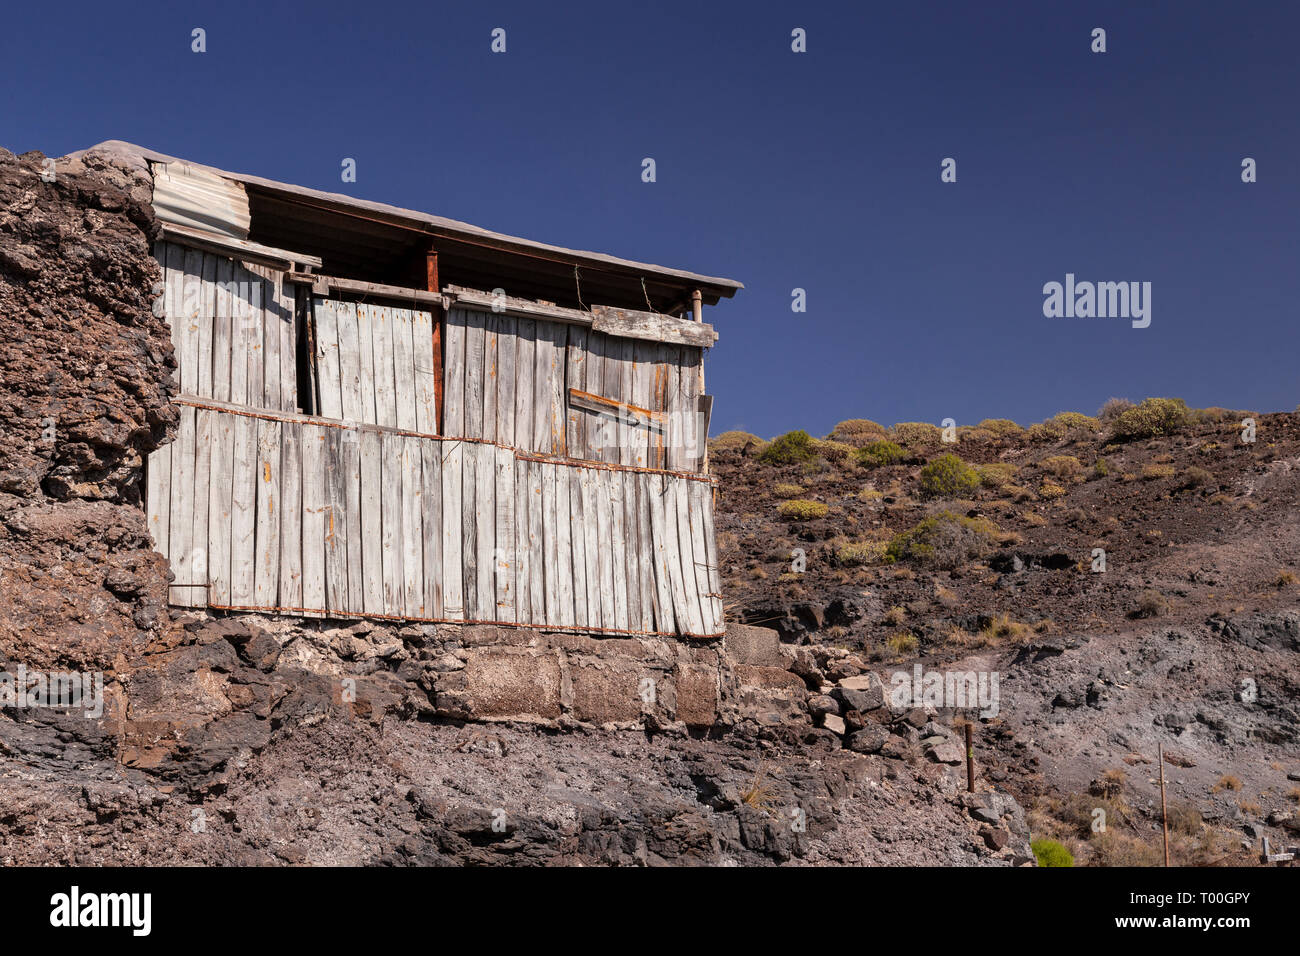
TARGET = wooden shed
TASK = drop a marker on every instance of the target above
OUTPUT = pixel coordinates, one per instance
(388, 414)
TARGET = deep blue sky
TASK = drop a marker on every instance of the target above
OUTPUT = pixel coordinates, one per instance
(816, 170)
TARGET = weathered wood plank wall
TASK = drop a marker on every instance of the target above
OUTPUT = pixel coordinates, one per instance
(350, 521)
(232, 326)
(509, 379)
(545, 508)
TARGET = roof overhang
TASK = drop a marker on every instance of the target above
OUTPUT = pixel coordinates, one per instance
(352, 235)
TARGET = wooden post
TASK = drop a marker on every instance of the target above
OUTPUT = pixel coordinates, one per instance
(697, 305)
(431, 283)
(970, 760)
(1164, 814)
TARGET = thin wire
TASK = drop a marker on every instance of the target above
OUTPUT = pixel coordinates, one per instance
(577, 281)
(649, 307)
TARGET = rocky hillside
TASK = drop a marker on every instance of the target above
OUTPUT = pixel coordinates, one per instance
(245, 739)
(1133, 578)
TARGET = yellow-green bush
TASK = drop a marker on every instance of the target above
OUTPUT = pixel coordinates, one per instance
(916, 434)
(802, 510)
(879, 453)
(832, 451)
(996, 473)
(943, 541)
(855, 553)
(1051, 853)
(1002, 427)
(736, 441)
(790, 449)
(1049, 490)
(785, 490)
(1062, 466)
(1152, 418)
(948, 477)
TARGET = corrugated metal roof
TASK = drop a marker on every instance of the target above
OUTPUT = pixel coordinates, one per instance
(189, 195)
(140, 155)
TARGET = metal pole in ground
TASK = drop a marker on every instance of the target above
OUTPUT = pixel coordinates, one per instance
(1164, 813)
(970, 761)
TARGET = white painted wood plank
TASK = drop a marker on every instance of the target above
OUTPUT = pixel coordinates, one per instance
(391, 504)
(453, 395)
(453, 588)
(491, 371)
(469, 530)
(255, 317)
(522, 555)
(705, 493)
(575, 419)
(345, 318)
(173, 267)
(591, 533)
(525, 372)
(543, 363)
(630, 548)
(203, 431)
(604, 547)
(403, 369)
(240, 338)
(686, 550)
(618, 548)
(551, 536)
(243, 512)
(507, 330)
(475, 335)
(286, 311)
(564, 567)
(557, 399)
(426, 410)
(206, 317)
(192, 311)
(351, 525)
(266, 576)
(314, 507)
(327, 358)
(692, 427)
(504, 535)
(372, 522)
(645, 551)
(158, 494)
(221, 331)
(643, 366)
(674, 441)
(699, 550)
(578, 540)
(366, 355)
(485, 518)
(336, 550)
(219, 490)
(182, 509)
(673, 557)
(412, 530)
(271, 338)
(291, 515)
(664, 621)
(431, 505)
(536, 545)
(382, 332)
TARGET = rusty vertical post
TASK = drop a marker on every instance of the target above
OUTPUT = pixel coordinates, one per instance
(1164, 813)
(970, 760)
(697, 305)
(431, 283)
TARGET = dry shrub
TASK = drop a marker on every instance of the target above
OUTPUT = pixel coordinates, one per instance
(857, 432)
